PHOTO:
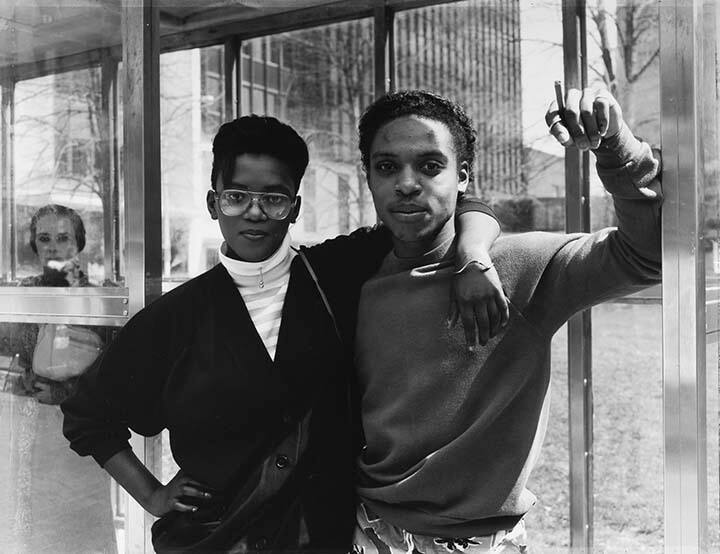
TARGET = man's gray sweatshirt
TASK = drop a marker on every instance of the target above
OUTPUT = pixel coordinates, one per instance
(452, 436)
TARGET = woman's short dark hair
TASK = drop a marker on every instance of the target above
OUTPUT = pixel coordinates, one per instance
(59, 211)
(256, 134)
(423, 104)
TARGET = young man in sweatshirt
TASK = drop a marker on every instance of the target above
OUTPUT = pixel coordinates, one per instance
(452, 436)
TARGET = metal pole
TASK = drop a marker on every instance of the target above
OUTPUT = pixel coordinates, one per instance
(239, 78)
(577, 219)
(230, 58)
(384, 51)
(108, 147)
(143, 229)
(7, 190)
(683, 286)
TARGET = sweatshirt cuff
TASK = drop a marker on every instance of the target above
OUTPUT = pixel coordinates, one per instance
(468, 203)
(628, 167)
(103, 453)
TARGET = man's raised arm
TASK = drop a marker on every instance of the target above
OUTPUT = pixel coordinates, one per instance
(590, 268)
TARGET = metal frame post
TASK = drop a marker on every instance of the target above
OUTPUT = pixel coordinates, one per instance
(577, 219)
(141, 64)
(683, 286)
(384, 49)
(231, 61)
(7, 186)
(108, 132)
(143, 229)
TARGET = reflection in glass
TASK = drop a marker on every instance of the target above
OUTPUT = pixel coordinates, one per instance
(711, 247)
(319, 81)
(65, 152)
(623, 46)
(470, 52)
(52, 500)
(192, 108)
(52, 494)
(59, 227)
(713, 423)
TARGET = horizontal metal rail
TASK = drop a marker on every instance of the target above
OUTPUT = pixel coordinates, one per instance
(79, 305)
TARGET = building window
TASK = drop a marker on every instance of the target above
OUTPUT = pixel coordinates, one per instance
(261, 69)
(212, 88)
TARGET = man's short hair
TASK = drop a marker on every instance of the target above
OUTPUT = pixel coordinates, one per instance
(256, 134)
(423, 104)
(59, 211)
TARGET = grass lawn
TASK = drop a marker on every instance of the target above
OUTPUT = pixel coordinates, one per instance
(628, 468)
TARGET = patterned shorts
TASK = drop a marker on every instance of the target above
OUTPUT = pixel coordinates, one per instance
(375, 536)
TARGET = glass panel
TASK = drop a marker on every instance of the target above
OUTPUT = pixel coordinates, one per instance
(470, 52)
(60, 225)
(192, 107)
(627, 333)
(535, 200)
(319, 80)
(628, 442)
(51, 498)
(63, 147)
(711, 232)
(499, 61)
(713, 411)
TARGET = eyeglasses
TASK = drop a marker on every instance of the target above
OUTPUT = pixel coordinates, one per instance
(275, 205)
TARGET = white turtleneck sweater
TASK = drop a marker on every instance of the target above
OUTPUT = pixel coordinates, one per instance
(262, 286)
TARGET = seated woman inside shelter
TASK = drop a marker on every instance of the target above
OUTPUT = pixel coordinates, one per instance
(248, 365)
(52, 356)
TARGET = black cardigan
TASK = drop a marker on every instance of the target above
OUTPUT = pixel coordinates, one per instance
(193, 363)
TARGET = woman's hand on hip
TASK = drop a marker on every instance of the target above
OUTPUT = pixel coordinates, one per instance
(181, 494)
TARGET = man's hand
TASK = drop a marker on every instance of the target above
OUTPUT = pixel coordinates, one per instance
(588, 116)
(181, 494)
(479, 301)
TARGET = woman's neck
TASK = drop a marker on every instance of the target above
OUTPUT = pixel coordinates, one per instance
(250, 268)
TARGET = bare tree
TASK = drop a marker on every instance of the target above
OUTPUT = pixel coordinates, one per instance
(634, 23)
(62, 124)
(327, 84)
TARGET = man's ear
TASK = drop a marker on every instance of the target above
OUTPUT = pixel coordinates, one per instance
(210, 200)
(463, 176)
(366, 174)
(296, 210)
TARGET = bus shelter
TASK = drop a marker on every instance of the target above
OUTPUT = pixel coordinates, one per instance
(109, 108)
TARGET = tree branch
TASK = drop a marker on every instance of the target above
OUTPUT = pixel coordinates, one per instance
(648, 63)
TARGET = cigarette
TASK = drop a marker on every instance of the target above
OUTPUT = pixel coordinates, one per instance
(56, 265)
(559, 96)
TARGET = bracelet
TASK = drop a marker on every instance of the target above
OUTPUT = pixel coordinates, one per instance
(482, 266)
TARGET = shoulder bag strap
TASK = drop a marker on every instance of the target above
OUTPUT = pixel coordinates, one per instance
(352, 398)
(311, 271)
